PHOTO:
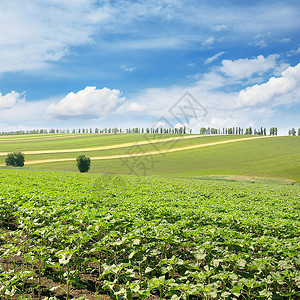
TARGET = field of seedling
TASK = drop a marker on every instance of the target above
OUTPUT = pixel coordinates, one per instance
(69, 235)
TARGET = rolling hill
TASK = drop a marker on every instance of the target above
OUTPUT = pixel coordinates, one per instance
(163, 155)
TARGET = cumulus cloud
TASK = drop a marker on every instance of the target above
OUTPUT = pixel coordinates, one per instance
(10, 100)
(227, 107)
(213, 58)
(90, 102)
(245, 68)
(278, 90)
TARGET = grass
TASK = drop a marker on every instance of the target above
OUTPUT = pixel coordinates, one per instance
(155, 146)
(67, 141)
(276, 157)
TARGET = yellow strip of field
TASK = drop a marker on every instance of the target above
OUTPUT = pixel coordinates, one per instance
(164, 151)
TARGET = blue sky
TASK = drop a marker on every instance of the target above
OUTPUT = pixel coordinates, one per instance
(87, 63)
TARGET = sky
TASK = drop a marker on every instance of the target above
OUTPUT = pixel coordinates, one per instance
(119, 63)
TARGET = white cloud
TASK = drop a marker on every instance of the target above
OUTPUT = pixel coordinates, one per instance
(259, 43)
(157, 101)
(280, 90)
(223, 122)
(11, 99)
(280, 68)
(213, 58)
(34, 33)
(253, 106)
(285, 40)
(159, 124)
(218, 28)
(226, 107)
(208, 42)
(90, 102)
(127, 69)
(245, 68)
(294, 52)
(24, 115)
(235, 119)
(131, 107)
(211, 81)
(159, 42)
(178, 24)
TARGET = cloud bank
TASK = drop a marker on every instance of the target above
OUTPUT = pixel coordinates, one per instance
(226, 107)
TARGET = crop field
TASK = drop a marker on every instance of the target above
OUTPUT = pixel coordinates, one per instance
(98, 142)
(162, 155)
(113, 146)
(68, 235)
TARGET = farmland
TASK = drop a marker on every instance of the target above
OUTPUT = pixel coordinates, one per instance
(69, 235)
(176, 233)
(171, 155)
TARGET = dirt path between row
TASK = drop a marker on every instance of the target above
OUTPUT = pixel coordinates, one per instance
(149, 153)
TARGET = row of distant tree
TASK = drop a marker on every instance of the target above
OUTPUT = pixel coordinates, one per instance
(293, 131)
(239, 130)
(181, 130)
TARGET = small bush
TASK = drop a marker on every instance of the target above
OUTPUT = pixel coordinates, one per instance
(15, 159)
(83, 163)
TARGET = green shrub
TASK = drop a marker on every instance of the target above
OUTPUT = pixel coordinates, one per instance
(15, 159)
(83, 163)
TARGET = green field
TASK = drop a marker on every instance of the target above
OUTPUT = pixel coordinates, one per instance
(69, 235)
(211, 217)
(67, 141)
(270, 158)
(275, 157)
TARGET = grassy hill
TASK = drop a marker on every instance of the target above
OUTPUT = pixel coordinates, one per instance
(190, 156)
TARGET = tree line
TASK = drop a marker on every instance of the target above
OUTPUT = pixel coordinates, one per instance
(293, 131)
(159, 130)
(239, 130)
